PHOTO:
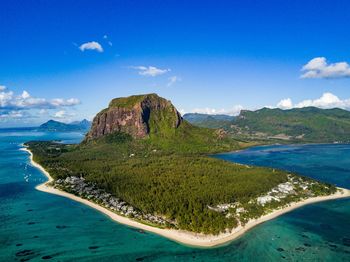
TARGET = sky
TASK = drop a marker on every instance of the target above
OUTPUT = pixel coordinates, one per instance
(65, 60)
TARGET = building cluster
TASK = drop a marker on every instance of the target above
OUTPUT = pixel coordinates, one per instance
(226, 208)
(88, 190)
(283, 190)
(291, 187)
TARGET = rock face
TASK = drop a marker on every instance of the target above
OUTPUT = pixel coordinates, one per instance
(138, 116)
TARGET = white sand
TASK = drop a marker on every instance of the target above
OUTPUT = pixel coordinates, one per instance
(181, 236)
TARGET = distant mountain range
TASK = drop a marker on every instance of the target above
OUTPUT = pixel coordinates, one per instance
(53, 125)
(209, 121)
(309, 124)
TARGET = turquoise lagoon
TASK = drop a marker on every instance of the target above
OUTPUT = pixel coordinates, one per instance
(35, 226)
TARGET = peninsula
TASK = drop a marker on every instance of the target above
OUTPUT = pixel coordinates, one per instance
(143, 165)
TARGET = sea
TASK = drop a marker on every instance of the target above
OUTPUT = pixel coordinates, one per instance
(36, 226)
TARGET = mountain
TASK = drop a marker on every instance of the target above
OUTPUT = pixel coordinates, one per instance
(138, 116)
(156, 121)
(309, 124)
(155, 167)
(57, 126)
(197, 117)
(84, 124)
(209, 121)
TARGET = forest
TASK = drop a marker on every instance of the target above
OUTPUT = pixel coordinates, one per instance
(169, 178)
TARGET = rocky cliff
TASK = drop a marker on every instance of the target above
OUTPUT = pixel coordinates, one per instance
(139, 116)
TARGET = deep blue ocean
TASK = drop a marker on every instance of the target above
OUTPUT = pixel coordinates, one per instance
(35, 226)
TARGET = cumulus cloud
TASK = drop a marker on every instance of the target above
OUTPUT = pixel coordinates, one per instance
(2, 88)
(58, 102)
(5, 98)
(234, 111)
(63, 114)
(285, 104)
(10, 101)
(11, 114)
(60, 114)
(150, 70)
(320, 68)
(91, 46)
(173, 79)
(326, 101)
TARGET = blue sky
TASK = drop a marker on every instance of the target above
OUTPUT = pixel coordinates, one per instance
(72, 57)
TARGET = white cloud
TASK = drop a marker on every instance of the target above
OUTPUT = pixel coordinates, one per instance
(11, 114)
(213, 111)
(173, 80)
(63, 115)
(150, 70)
(285, 103)
(2, 88)
(91, 46)
(57, 102)
(5, 98)
(208, 110)
(182, 111)
(319, 68)
(25, 95)
(326, 101)
(23, 107)
(60, 114)
(10, 101)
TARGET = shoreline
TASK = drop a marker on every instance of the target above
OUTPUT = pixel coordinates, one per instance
(278, 144)
(181, 236)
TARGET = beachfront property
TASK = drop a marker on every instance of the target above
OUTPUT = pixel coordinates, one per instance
(80, 187)
(88, 190)
(281, 191)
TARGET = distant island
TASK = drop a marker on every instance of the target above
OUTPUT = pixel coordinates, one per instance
(144, 165)
(56, 126)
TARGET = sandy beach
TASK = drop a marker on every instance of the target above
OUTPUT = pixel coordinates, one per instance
(185, 237)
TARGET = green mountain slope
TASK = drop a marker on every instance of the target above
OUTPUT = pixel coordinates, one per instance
(308, 124)
(209, 121)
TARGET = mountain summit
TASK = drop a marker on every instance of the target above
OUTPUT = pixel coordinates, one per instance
(138, 116)
(56, 126)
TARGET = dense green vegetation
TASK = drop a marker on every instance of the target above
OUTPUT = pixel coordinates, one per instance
(310, 124)
(129, 101)
(156, 180)
(168, 172)
(209, 121)
(186, 139)
(299, 125)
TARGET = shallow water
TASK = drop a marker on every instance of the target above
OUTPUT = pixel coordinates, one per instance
(39, 226)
